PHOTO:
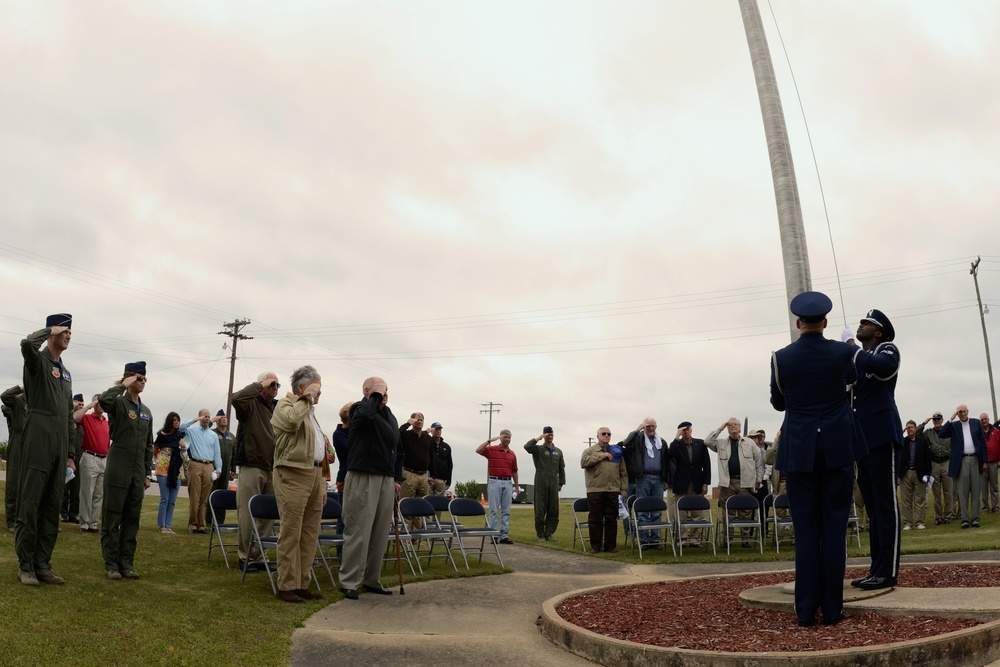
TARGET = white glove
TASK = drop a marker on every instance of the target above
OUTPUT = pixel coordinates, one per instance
(847, 335)
(215, 475)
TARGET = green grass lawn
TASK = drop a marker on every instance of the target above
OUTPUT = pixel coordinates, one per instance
(186, 610)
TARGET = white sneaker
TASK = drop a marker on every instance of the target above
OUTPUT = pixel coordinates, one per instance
(920, 526)
(906, 526)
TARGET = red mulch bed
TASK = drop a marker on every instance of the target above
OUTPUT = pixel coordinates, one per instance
(706, 614)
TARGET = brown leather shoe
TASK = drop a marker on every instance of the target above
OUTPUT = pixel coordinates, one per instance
(289, 596)
(49, 577)
(308, 595)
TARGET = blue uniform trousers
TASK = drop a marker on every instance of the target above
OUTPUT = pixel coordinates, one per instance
(877, 480)
(820, 502)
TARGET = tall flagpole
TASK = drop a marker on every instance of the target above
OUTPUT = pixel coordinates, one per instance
(794, 254)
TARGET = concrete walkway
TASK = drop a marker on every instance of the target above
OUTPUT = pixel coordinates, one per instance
(491, 620)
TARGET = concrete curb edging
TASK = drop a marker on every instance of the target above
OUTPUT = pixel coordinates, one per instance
(971, 647)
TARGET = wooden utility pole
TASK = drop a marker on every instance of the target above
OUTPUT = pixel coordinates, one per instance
(233, 331)
(492, 407)
(986, 340)
(589, 442)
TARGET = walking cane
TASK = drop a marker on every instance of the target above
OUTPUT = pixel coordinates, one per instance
(395, 525)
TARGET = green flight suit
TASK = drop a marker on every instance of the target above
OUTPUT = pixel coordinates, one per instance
(16, 411)
(550, 474)
(129, 461)
(48, 433)
(227, 443)
(71, 496)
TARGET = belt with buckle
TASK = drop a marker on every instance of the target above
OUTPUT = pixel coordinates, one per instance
(502, 478)
(208, 463)
(100, 456)
(415, 472)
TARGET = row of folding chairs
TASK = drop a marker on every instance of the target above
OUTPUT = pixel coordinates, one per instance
(661, 527)
(416, 544)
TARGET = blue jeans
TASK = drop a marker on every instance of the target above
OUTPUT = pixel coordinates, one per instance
(501, 494)
(648, 486)
(168, 497)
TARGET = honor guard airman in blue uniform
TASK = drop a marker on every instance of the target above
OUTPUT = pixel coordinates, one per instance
(875, 411)
(819, 445)
(48, 432)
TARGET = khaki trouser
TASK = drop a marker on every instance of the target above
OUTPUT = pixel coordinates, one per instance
(943, 491)
(414, 486)
(368, 502)
(989, 486)
(913, 498)
(91, 470)
(300, 493)
(199, 486)
(251, 482)
(438, 487)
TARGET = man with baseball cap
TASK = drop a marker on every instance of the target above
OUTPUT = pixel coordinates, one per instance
(943, 488)
(818, 448)
(877, 363)
(48, 434)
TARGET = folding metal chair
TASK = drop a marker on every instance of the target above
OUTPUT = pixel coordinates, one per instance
(467, 508)
(781, 503)
(580, 505)
(687, 504)
(329, 540)
(745, 503)
(661, 527)
(854, 524)
(221, 501)
(440, 505)
(630, 528)
(430, 531)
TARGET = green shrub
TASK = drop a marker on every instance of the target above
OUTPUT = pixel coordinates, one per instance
(469, 489)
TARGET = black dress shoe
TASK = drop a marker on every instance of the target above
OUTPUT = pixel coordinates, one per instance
(965, 524)
(807, 622)
(378, 590)
(857, 582)
(876, 583)
(349, 593)
(832, 621)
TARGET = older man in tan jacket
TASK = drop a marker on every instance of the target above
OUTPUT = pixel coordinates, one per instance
(741, 466)
(606, 478)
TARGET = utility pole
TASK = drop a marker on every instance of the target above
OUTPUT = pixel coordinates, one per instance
(589, 442)
(233, 331)
(986, 341)
(493, 407)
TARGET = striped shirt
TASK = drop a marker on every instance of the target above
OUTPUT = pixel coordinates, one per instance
(501, 462)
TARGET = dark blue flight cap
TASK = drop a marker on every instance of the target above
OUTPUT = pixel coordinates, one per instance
(78, 397)
(547, 429)
(878, 318)
(137, 367)
(220, 413)
(811, 307)
(59, 320)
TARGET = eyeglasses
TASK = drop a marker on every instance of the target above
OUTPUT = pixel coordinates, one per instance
(277, 385)
(604, 434)
(140, 378)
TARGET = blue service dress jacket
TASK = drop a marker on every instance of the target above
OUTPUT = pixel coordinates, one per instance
(874, 394)
(809, 381)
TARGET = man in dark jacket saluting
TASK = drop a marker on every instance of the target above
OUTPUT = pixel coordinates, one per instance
(689, 470)
(374, 474)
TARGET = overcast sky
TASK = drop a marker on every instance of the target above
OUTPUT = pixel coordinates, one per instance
(563, 207)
